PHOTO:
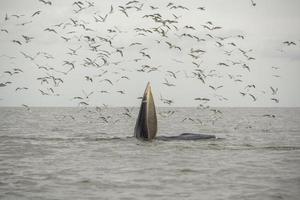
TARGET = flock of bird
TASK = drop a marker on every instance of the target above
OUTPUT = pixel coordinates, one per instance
(95, 48)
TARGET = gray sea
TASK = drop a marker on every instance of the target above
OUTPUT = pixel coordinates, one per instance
(76, 153)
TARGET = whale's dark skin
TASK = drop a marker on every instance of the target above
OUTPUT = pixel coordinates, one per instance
(186, 136)
(146, 124)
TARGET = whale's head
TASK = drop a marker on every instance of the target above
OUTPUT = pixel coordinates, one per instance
(146, 123)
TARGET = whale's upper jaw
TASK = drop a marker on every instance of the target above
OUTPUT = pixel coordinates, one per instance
(146, 124)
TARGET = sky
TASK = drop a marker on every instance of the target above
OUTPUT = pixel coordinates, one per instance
(243, 62)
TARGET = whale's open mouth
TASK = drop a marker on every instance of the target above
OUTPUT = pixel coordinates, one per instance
(146, 123)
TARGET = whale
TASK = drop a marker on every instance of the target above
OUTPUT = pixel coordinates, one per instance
(146, 123)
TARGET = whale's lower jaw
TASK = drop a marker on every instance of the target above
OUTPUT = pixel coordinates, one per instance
(186, 136)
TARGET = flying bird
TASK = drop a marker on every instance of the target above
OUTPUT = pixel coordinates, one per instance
(289, 43)
(167, 83)
(21, 88)
(27, 38)
(107, 80)
(17, 42)
(46, 2)
(50, 30)
(36, 13)
(121, 91)
(275, 99)
(253, 97)
(201, 99)
(274, 90)
(26, 107)
(83, 103)
(215, 88)
(253, 3)
(87, 78)
(4, 30)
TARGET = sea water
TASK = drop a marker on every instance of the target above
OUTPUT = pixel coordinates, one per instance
(77, 153)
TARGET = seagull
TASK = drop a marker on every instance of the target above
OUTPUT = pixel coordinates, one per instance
(127, 114)
(103, 91)
(123, 10)
(223, 64)
(27, 38)
(50, 30)
(21, 88)
(2, 85)
(201, 99)
(87, 95)
(135, 43)
(27, 107)
(121, 91)
(46, 2)
(9, 72)
(188, 118)
(17, 41)
(43, 93)
(241, 36)
(104, 119)
(6, 17)
(27, 56)
(250, 86)
(173, 46)
(87, 78)
(123, 77)
(107, 80)
(145, 55)
(36, 13)
(216, 111)
(78, 98)
(274, 91)
(24, 23)
(269, 115)
(66, 39)
(253, 97)
(102, 19)
(9, 57)
(179, 6)
(111, 10)
(66, 62)
(74, 51)
(154, 8)
(4, 30)
(276, 100)
(289, 43)
(166, 113)
(120, 51)
(91, 4)
(246, 67)
(243, 93)
(167, 83)
(172, 74)
(215, 88)
(83, 103)
(253, 3)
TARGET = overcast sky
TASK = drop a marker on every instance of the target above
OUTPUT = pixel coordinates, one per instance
(268, 62)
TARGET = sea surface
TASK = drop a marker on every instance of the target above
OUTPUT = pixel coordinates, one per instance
(77, 153)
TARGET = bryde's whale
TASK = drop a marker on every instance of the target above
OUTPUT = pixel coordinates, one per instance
(146, 123)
